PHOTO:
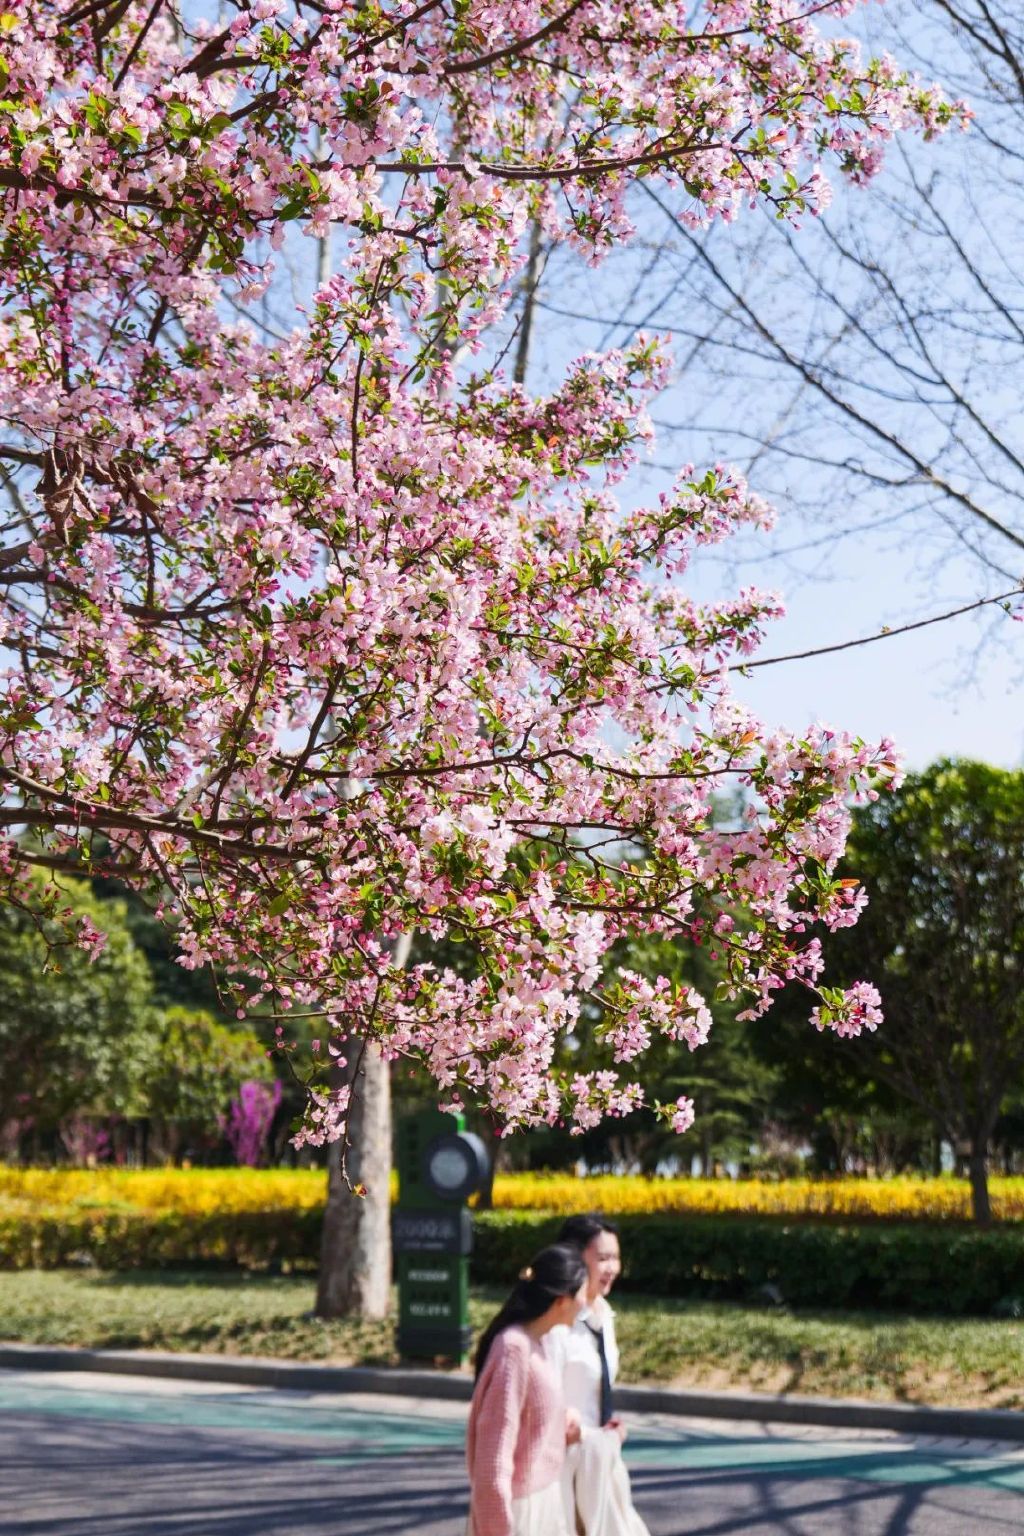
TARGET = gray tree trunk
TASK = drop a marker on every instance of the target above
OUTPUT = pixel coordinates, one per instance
(355, 1250)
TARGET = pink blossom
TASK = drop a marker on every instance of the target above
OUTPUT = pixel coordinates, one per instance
(318, 642)
(850, 1012)
(683, 1115)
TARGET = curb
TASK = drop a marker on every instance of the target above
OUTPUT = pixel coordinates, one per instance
(241, 1370)
(457, 1386)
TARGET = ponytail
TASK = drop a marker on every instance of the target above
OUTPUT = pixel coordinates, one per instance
(555, 1272)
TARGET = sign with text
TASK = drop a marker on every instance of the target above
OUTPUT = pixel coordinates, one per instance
(440, 1165)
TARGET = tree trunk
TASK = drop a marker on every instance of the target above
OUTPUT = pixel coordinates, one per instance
(355, 1250)
(531, 280)
(977, 1168)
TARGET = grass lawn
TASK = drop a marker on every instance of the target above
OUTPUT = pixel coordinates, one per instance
(712, 1344)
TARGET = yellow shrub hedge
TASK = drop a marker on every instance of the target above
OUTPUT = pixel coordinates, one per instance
(901, 1199)
(204, 1191)
(195, 1191)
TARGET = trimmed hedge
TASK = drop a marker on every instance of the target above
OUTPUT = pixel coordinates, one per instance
(909, 1268)
(131, 1239)
(849, 1200)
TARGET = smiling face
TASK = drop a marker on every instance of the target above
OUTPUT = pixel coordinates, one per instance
(604, 1264)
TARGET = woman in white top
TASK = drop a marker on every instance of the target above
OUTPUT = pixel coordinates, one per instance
(595, 1481)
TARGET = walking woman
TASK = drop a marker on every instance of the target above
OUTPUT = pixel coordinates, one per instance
(596, 1490)
(516, 1436)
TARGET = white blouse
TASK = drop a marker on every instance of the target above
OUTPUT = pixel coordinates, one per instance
(574, 1354)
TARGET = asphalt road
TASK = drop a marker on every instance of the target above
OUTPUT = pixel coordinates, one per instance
(91, 1455)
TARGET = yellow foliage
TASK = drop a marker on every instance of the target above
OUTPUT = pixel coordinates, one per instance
(903, 1198)
(232, 1190)
(196, 1190)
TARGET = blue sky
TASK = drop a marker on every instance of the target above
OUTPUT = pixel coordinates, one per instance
(953, 689)
(850, 555)
(949, 690)
(855, 551)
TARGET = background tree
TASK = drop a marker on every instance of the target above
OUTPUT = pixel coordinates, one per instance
(200, 1067)
(77, 1034)
(732, 1090)
(84, 1040)
(174, 986)
(943, 863)
(835, 1103)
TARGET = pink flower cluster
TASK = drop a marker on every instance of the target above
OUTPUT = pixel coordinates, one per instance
(321, 639)
(681, 1115)
(848, 1012)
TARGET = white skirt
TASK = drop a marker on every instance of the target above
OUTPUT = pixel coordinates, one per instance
(540, 1514)
(595, 1488)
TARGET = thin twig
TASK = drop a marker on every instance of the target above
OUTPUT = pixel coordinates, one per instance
(883, 634)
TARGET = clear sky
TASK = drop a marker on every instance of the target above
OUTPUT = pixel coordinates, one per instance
(953, 689)
(849, 556)
(906, 300)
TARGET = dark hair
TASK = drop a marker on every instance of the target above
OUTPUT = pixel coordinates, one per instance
(555, 1272)
(580, 1231)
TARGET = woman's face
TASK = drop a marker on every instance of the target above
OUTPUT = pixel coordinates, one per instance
(604, 1264)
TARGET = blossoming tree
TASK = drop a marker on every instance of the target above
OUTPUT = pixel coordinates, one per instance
(327, 639)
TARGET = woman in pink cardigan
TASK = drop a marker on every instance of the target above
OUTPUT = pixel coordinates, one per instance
(516, 1436)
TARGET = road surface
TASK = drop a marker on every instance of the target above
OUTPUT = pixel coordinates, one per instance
(97, 1455)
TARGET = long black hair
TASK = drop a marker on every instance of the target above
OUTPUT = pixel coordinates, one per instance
(580, 1231)
(556, 1271)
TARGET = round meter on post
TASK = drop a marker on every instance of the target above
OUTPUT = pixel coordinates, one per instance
(455, 1166)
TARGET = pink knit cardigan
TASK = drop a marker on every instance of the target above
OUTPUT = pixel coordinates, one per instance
(515, 1439)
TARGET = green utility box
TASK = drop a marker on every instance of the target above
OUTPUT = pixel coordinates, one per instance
(440, 1164)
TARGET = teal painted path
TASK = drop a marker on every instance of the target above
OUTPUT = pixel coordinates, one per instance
(88, 1454)
(369, 1431)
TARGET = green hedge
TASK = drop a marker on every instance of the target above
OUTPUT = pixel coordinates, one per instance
(910, 1268)
(126, 1239)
